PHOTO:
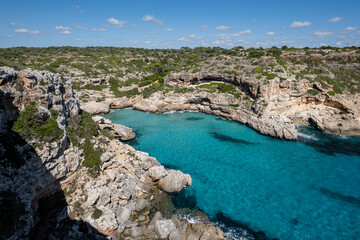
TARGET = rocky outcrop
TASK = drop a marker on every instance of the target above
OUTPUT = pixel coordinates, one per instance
(118, 130)
(95, 107)
(174, 181)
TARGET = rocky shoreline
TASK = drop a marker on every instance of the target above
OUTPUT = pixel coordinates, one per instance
(49, 180)
(278, 118)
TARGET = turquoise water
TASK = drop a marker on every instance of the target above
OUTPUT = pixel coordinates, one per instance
(248, 183)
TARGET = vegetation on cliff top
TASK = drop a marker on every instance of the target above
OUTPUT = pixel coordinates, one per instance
(135, 71)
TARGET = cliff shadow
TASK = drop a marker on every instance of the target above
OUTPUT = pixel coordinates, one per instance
(32, 203)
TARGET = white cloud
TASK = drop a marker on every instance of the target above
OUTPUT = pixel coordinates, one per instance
(205, 27)
(169, 29)
(17, 24)
(154, 31)
(223, 28)
(79, 39)
(300, 24)
(133, 42)
(335, 19)
(322, 34)
(24, 30)
(339, 43)
(150, 18)
(62, 28)
(66, 32)
(116, 23)
(271, 33)
(230, 35)
(189, 38)
(147, 42)
(350, 29)
(92, 29)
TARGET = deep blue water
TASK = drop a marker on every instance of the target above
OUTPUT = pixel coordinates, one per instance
(305, 189)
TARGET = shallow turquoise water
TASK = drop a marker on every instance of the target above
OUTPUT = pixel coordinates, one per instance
(305, 189)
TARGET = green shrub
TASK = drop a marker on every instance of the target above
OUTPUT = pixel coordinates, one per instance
(313, 92)
(82, 127)
(32, 126)
(97, 213)
(331, 93)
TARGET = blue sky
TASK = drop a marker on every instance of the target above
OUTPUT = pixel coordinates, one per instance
(175, 23)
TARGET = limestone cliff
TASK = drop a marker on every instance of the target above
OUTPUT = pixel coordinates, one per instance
(65, 176)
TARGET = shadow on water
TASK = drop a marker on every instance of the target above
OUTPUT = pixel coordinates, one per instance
(226, 138)
(329, 144)
(48, 207)
(237, 229)
(194, 118)
(186, 199)
(338, 196)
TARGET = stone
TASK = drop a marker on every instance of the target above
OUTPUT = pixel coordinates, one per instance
(123, 214)
(141, 204)
(175, 235)
(105, 157)
(122, 132)
(135, 232)
(157, 216)
(96, 107)
(157, 172)
(127, 188)
(163, 228)
(174, 181)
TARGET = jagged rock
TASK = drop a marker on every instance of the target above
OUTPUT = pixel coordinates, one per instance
(122, 132)
(175, 235)
(105, 157)
(163, 228)
(174, 181)
(141, 204)
(157, 216)
(123, 214)
(96, 107)
(157, 172)
(127, 188)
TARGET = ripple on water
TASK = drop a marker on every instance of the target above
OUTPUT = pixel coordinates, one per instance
(255, 186)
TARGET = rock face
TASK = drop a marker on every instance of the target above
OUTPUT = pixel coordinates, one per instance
(30, 175)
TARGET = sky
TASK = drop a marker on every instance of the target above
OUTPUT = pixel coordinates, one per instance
(178, 23)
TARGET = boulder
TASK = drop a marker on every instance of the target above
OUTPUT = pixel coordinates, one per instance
(157, 216)
(163, 228)
(157, 172)
(174, 181)
(123, 214)
(122, 132)
(95, 107)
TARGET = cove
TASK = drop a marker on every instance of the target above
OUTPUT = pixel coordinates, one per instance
(254, 186)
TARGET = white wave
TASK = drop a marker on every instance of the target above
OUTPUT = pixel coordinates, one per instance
(182, 111)
(343, 136)
(307, 136)
(190, 219)
(235, 233)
